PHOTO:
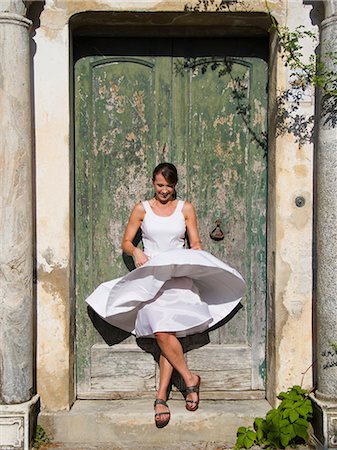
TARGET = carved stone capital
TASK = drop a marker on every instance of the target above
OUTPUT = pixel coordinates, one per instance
(330, 21)
(14, 19)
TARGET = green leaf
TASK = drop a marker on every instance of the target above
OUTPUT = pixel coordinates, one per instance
(286, 404)
(258, 423)
(301, 431)
(270, 415)
(248, 443)
(273, 438)
(290, 431)
(302, 422)
(299, 390)
(298, 404)
(251, 435)
(285, 439)
(259, 436)
(293, 416)
(245, 437)
(276, 418)
(308, 406)
(283, 423)
(302, 411)
(286, 413)
(240, 439)
(290, 396)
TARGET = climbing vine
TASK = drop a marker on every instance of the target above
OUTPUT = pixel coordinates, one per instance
(305, 75)
(224, 66)
(207, 5)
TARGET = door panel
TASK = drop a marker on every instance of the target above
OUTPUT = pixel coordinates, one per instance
(206, 112)
(117, 132)
(226, 179)
(215, 168)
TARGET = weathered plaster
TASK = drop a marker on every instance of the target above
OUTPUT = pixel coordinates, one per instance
(293, 278)
(290, 236)
(290, 175)
(53, 219)
(57, 13)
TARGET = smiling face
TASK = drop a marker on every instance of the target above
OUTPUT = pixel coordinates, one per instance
(164, 191)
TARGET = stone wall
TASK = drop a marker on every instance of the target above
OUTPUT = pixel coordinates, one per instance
(289, 352)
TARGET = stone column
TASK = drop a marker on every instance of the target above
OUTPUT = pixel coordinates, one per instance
(18, 402)
(326, 248)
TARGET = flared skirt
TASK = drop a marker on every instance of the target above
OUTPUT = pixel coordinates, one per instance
(182, 291)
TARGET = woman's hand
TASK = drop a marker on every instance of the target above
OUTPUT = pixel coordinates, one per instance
(139, 257)
(196, 246)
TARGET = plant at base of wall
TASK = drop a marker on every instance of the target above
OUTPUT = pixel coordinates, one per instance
(286, 425)
(41, 437)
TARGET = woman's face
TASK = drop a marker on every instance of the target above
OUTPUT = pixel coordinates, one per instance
(164, 191)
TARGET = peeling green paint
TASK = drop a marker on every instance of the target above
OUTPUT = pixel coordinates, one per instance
(262, 369)
(126, 109)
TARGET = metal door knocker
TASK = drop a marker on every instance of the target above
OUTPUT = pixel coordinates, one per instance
(217, 234)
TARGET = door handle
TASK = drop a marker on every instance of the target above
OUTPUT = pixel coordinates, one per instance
(217, 234)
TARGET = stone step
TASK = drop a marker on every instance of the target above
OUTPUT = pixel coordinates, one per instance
(129, 424)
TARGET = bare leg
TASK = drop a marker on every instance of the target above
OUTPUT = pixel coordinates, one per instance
(166, 370)
(172, 350)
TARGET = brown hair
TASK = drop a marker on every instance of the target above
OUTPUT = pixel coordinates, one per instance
(168, 171)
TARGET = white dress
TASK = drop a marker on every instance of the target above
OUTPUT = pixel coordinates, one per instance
(178, 290)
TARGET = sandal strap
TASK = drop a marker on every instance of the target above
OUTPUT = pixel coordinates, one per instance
(191, 389)
(160, 401)
(162, 413)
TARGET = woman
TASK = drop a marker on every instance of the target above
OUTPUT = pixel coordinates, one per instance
(173, 292)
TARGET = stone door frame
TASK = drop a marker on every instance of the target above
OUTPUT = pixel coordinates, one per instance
(289, 236)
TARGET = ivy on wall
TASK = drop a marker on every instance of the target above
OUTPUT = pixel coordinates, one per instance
(319, 71)
(305, 75)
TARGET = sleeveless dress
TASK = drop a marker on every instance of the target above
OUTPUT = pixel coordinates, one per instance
(178, 290)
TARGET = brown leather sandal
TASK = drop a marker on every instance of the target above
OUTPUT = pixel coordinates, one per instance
(192, 405)
(161, 423)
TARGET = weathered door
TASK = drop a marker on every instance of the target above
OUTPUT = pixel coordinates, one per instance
(202, 105)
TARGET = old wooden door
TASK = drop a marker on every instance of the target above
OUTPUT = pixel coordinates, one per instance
(202, 105)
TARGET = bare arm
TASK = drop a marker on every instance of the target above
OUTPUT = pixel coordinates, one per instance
(135, 221)
(192, 227)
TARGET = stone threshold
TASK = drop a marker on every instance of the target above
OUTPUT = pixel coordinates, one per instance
(129, 424)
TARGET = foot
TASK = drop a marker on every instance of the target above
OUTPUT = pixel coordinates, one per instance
(162, 413)
(192, 394)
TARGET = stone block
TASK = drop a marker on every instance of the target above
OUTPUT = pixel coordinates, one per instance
(18, 424)
(325, 424)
